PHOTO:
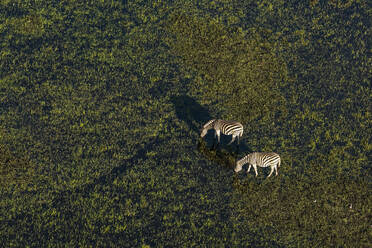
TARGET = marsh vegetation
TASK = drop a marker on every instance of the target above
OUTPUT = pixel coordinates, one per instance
(102, 103)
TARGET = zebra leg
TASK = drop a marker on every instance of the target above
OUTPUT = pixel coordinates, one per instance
(255, 169)
(271, 172)
(214, 143)
(276, 170)
(238, 146)
(249, 168)
(232, 140)
(218, 136)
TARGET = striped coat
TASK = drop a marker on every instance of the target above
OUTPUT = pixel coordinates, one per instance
(233, 128)
(262, 159)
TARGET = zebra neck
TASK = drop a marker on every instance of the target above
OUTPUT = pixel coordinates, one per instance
(210, 125)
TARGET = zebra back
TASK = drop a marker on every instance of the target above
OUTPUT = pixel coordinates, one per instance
(230, 127)
(265, 159)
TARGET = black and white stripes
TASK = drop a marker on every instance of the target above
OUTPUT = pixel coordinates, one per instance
(233, 128)
(262, 159)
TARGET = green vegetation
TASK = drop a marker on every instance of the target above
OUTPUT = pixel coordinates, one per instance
(101, 105)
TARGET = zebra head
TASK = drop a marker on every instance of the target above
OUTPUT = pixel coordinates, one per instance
(203, 132)
(206, 127)
(239, 165)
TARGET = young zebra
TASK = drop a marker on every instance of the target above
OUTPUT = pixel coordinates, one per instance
(262, 159)
(233, 128)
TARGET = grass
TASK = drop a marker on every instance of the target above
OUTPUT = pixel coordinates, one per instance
(102, 105)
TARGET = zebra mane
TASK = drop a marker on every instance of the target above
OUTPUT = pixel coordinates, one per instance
(208, 123)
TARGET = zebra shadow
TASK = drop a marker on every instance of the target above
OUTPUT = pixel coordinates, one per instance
(62, 198)
(191, 112)
(218, 156)
(226, 157)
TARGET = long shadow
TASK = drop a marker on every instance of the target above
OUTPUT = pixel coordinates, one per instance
(218, 156)
(187, 109)
(190, 111)
(106, 179)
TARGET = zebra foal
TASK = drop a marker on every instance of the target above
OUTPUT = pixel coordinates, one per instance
(262, 159)
(233, 128)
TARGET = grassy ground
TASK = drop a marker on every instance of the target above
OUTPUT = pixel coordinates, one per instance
(101, 109)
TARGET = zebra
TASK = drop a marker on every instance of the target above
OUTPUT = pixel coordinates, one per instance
(262, 159)
(233, 128)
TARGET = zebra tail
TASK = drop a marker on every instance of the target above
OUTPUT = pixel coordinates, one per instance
(279, 162)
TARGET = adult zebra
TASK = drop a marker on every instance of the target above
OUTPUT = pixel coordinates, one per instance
(262, 159)
(233, 128)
